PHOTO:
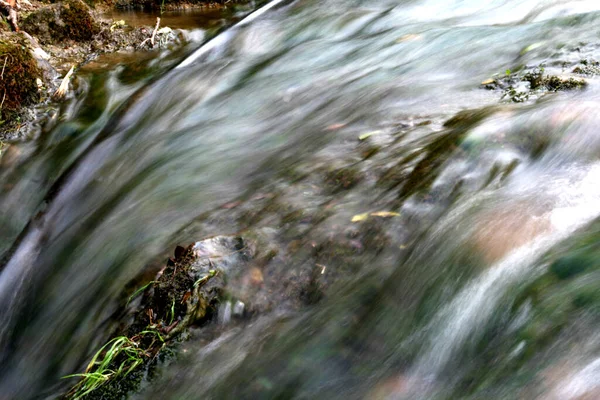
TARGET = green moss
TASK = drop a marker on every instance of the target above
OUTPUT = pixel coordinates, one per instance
(4, 26)
(70, 20)
(79, 24)
(539, 82)
(18, 87)
(535, 78)
(555, 84)
(571, 265)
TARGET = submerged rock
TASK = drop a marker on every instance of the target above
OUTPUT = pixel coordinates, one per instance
(210, 285)
(186, 291)
(533, 82)
(190, 287)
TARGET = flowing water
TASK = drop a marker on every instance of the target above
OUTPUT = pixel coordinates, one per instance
(477, 279)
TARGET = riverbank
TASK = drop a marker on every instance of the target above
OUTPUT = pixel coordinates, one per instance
(53, 39)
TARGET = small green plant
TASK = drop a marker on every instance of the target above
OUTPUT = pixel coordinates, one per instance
(140, 290)
(116, 359)
(507, 72)
(204, 279)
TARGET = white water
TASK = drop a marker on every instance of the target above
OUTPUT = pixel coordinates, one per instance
(225, 37)
(577, 203)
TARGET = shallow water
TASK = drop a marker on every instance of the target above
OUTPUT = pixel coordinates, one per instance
(484, 285)
(179, 19)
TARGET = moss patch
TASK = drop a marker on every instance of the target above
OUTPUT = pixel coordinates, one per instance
(70, 20)
(520, 87)
(18, 87)
(79, 24)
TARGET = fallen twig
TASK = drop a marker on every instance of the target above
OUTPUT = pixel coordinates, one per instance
(5, 60)
(155, 29)
(64, 85)
(152, 38)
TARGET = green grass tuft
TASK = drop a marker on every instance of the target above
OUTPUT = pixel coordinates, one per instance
(116, 359)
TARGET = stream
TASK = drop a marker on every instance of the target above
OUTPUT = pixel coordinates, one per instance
(450, 237)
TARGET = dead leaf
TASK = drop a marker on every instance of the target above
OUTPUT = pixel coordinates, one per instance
(256, 276)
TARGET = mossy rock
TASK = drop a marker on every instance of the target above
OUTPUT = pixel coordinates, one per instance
(556, 83)
(18, 86)
(571, 265)
(588, 68)
(69, 20)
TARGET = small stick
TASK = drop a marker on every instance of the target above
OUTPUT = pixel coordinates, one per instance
(155, 29)
(64, 85)
(150, 39)
(2, 75)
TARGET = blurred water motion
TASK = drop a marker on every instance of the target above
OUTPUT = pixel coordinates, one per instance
(470, 270)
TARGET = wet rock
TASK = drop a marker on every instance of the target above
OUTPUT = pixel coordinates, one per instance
(587, 68)
(189, 288)
(561, 83)
(530, 83)
(187, 291)
(222, 279)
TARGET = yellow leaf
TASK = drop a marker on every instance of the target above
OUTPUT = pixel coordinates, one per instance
(385, 214)
(530, 47)
(360, 217)
(368, 135)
